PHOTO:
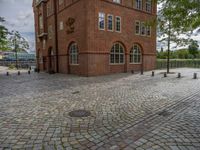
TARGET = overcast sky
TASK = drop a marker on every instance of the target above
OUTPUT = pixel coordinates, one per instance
(19, 16)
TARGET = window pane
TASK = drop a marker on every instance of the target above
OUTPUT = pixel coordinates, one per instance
(121, 58)
(101, 21)
(118, 24)
(110, 22)
(116, 58)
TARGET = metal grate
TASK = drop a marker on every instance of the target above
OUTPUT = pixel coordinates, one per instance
(80, 113)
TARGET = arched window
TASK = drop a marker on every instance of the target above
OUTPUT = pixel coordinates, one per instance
(117, 54)
(73, 52)
(136, 54)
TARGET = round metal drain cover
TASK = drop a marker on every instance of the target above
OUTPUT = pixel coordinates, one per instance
(80, 113)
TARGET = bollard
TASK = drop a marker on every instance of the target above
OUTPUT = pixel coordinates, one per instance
(153, 73)
(195, 76)
(7, 73)
(132, 71)
(142, 71)
(29, 72)
(18, 73)
(179, 75)
(165, 75)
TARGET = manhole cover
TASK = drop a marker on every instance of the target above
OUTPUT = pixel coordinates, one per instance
(76, 92)
(164, 113)
(79, 113)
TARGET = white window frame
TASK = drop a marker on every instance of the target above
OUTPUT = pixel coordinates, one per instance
(99, 20)
(73, 53)
(138, 55)
(60, 2)
(142, 26)
(49, 8)
(116, 24)
(109, 15)
(149, 6)
(61, 25)
(117, 1)
(41, 24)
(137, 21)
(119, 54)
(139, 4)
(148, 28)
(50, 32)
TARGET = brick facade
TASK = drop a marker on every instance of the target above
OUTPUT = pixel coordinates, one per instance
(77, 21)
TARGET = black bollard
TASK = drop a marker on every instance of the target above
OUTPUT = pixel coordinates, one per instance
(165, 75)
(7, 73)
(132, 71)
(179, 75)
(18, 73)
(153, 73)
(195, 76)
(142, 71)
(29, 72)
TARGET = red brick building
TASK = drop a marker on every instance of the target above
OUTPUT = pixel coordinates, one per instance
(95, 37)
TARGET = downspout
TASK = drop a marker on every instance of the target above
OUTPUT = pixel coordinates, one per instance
(56, 35)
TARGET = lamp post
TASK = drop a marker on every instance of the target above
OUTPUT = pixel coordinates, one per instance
(15, 49)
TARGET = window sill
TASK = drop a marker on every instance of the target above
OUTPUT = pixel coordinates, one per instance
(74, 64)
(116, 64)
(135, 63)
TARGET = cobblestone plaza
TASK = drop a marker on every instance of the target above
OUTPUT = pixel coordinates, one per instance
(126, 111)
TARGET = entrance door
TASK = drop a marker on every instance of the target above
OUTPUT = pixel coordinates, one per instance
(51, 60)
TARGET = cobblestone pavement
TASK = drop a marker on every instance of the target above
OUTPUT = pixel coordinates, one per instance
(127, 111)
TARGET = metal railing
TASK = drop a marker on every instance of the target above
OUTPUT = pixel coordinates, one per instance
(21, 64)
(178, 63)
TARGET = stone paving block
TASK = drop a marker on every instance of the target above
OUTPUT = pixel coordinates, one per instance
(124, 111)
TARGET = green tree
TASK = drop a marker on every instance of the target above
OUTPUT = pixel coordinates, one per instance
(18, 44)
(177, 18)
(3, 35)
(193, 48)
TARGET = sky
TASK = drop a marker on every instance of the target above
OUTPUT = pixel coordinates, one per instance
(19, 17)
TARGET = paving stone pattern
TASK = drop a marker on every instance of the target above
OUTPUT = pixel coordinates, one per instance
(127, 111)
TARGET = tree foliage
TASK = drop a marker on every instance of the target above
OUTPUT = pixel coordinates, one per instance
(178, 54)
(193, 48)
(3, 35)
(17, 42)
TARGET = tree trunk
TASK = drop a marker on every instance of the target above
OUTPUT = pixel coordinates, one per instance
(168, 51)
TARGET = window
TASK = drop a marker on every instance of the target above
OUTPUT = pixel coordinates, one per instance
(137, 27)
(148, 30)
(135, 54)
(138, 4)
(143, 29)
(61, 25)
(102, 21)
(50, 32)
(49, 8)
(148, 5)
(44, 44)
(110, 22)
(60, 2)
(73, 50)
(40, 57)
(118, 24)
(41, 22)
(117, 54)
(117, 1)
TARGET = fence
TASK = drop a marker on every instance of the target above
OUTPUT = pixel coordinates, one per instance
(178, 63)
(21, 64)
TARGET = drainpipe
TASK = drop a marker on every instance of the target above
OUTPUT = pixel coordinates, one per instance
(56, 35)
